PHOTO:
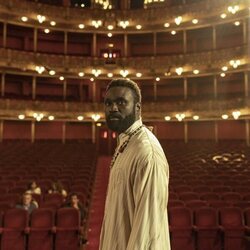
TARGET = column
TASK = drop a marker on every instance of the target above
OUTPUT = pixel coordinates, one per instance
(93, 132)
(35, 40)
(2, 84)
(246, 84)
(94, 91)
(64, 89)
(154, 42)
(125, 4)
(1, 130)
(185, 132)
(247, 133)
(81, 91)
(244, 31)
(214, 37)
(185, 88)
(94, 45)
(215, 87)
(33, 131)
(63, 132)
(216, 131)
(65, 42)
(33, 87)
(66, 3)
(125, 45)
(184, 41)
(4, 35)
(155, 90)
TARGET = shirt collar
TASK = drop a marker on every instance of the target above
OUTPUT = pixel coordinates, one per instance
(124, 136)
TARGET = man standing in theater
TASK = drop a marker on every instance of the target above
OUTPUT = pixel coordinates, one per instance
(135, 216)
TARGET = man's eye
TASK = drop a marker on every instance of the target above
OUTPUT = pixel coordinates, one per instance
(107, 103)
(121, 102)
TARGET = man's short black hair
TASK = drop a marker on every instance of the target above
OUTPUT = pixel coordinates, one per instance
(124, 82)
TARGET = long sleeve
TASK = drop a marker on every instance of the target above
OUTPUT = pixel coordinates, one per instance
(149, 225)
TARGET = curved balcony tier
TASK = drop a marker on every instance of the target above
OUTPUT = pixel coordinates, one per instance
(20, 62)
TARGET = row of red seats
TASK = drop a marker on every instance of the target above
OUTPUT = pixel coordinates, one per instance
(209, 229)
(42, 230)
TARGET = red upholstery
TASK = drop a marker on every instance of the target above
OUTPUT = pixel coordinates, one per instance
(67, 229)
(40, 233)
(15, 224)
(180, 221)
(232, 226)
(207, 228)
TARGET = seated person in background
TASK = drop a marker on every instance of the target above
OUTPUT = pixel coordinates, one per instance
(75, 203)
(57, 187)
(33, 188)
(27, 203)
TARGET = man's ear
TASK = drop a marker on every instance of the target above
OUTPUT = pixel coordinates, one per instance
(138, 106)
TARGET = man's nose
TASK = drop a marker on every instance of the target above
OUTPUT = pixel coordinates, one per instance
(113, 107)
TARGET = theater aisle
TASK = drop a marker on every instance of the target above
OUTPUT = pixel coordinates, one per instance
(98, 202)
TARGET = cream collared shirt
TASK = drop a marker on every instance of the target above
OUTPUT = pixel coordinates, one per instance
(135, 216)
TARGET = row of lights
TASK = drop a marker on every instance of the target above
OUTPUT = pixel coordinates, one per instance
(125, 72)
(125, 23)
(180, 117)
(40, 116)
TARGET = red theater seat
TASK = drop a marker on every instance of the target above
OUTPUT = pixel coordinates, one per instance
(180, 224)
(210, 196)
(231, 220)
(67, 229)
(207, 228)
(14, 226)
(231, 197)
(40, 232)
(187, 196)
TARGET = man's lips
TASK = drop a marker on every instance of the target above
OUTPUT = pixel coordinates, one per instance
(114, 118)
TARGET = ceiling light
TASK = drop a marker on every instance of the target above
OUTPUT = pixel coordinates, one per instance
(61, 78)
(81, 26)
(124, 72)
(178, 20)
(223, 15)
(124, 24)
(53, 23)
(24, 18)
(92, 79)
(173, 32)
(166, 25)
(96, 72)
(196, 117)
(157, 79)
(81, 74)
(80, 118)
(111, 45)
(180, 117)
(234, 63)
(138, 27)
(98, 124)
(224, 117)
(51, 117)
(222, 74)
(47, 31)
(52, 72)
(179, 71)
(95, 117)
(41, 18)
(21, 117)
(195, 21)
(96, 23)
(224, 68)
(109, 35)
(110, 27)
(138, 74)
(167, 118)
(110, 75)
(233, 9)
(236, 114)
(40, 69)
(237, 23)
(196, 71)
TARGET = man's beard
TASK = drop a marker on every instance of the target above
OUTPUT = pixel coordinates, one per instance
(121, 124)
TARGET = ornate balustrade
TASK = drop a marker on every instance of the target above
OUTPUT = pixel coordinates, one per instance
(206, 109)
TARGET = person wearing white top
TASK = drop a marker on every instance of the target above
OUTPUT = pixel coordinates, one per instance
(135, 216)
